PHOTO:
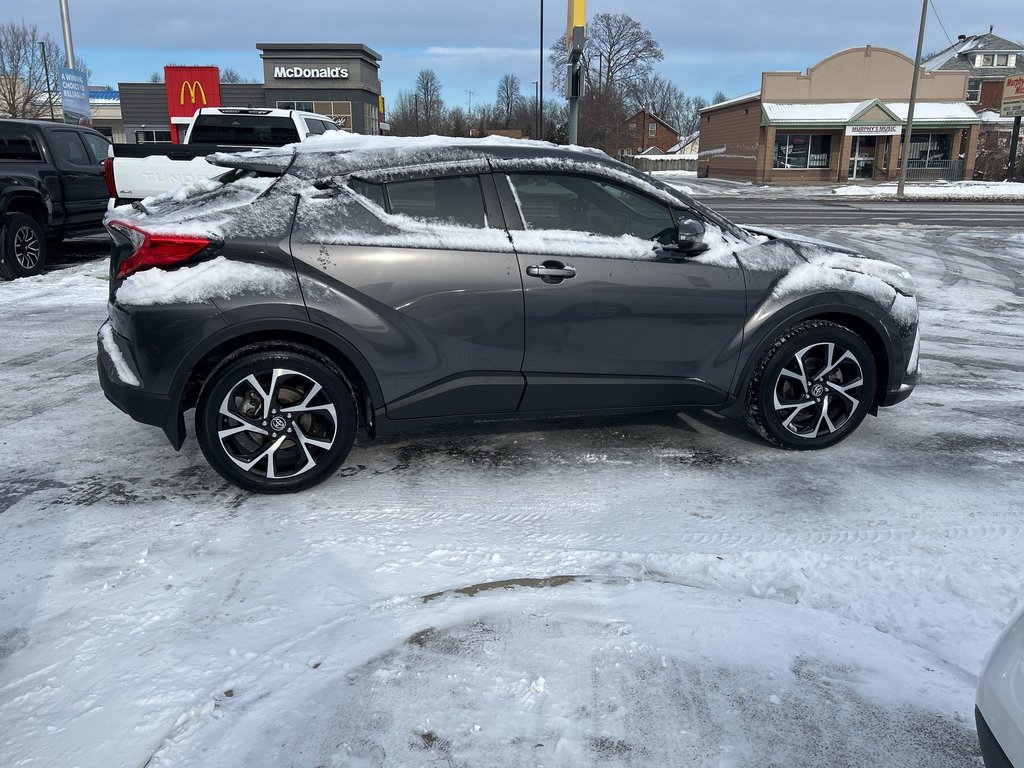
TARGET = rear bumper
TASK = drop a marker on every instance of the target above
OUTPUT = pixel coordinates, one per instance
(991, 752)
(120, 384)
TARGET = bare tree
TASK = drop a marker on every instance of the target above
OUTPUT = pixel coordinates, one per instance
(510, 98)
(618, 52)
(23, 90)
(402, 116)
(658, 95)
(430, 105)
(719, 97)
(689, 123)
(232, 75)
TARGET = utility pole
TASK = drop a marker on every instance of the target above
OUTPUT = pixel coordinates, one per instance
(905, 149)
(46, 69)
(470, 100)
(540, 97)
(65, 23)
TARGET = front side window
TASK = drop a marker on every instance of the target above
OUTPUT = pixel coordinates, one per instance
(454, 200)
(588, 204)
(69, 148)
(799, 150)
(98, 145)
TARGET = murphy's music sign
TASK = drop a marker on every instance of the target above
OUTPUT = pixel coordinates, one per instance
(191, 88)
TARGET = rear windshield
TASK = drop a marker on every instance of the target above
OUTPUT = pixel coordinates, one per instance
(244, 130)
(17, 143)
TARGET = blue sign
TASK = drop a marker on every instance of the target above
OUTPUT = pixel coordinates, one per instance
(74, 97)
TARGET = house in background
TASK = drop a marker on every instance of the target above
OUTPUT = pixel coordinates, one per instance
(843, 120)
(647, 130)
(988, 60)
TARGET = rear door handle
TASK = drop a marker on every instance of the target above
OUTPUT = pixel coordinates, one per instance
(551, 271)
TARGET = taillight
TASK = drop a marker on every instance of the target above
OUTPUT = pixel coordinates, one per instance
(155, 250)
(108, 176)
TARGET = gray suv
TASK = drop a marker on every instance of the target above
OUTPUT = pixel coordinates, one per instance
(379, 284)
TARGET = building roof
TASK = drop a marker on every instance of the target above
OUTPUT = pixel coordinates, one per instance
(104, 96)
(840, 114)
(729, 102)
(960, 55)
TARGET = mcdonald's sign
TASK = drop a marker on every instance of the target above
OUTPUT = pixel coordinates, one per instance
(189, 88)
(194, 87)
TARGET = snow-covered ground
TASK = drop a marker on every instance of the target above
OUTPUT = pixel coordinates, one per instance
(932, 190)
(615, 592)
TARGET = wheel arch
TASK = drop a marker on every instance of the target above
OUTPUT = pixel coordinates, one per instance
(28, 203)
(269, 334)
(862, 320)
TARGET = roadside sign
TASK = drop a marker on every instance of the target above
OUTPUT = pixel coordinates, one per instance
(1013, 97)
(576, 23)
(74, 97)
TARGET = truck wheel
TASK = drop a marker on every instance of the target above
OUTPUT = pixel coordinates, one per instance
(24, 249)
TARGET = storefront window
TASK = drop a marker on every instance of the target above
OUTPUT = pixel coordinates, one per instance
(930, 150)
(302, 106)
(801, 150)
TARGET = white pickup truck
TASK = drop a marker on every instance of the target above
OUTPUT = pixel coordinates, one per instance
(137, 171)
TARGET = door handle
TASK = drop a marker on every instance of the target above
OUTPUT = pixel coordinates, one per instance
(551, 269)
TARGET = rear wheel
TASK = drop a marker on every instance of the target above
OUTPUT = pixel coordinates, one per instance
(276, 421)
(813, 387)
(24, 249)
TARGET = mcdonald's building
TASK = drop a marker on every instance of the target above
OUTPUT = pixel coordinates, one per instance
(340, 80)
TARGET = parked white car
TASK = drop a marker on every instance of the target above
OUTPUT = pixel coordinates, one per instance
(1000, 706)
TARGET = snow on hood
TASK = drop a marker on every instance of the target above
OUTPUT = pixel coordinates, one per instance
(821, 253)
(218, 278)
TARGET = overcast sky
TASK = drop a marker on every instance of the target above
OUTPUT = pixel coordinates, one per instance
(470, 44)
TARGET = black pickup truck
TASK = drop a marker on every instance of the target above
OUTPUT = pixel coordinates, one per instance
(51, 186)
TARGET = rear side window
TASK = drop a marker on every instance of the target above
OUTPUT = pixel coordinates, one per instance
(243, 130)
(455, 199)
(373, 192)
(18, 144)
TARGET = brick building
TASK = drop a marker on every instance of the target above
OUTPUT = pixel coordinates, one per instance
(647, 130)
(844, 119)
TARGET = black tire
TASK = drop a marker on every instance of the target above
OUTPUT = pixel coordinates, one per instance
(309, 398)
(23, 249)
(813, 387)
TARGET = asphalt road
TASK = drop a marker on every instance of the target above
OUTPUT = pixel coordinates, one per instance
(797, 211)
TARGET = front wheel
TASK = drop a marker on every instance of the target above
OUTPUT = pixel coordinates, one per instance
(276, 421)
(813, 387)
(24, 249)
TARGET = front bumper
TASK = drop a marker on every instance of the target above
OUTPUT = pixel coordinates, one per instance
(991, 752)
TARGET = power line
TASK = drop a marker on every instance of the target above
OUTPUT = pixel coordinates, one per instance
(938, 19)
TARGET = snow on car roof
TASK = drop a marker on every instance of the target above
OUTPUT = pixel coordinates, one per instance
(339, 152)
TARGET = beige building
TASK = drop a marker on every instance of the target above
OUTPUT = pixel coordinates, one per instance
(842, 120)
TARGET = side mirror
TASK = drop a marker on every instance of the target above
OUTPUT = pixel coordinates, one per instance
(690, 235)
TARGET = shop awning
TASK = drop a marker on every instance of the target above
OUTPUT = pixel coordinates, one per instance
(873, 111)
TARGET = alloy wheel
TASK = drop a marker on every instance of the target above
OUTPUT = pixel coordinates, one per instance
(818, 390)
(27, 248)
(277, 423)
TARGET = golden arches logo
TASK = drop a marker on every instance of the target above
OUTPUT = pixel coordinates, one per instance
(193, 86)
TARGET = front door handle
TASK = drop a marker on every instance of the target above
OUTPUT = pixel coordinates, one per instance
(551, 271)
